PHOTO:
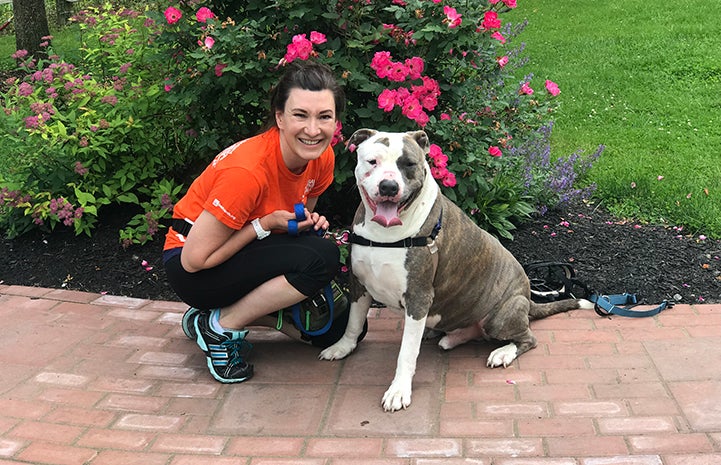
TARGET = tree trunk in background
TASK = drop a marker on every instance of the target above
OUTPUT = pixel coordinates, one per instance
(31, 25)
(63, 9)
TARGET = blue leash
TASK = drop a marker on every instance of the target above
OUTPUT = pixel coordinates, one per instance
(606, 305)
(297, 314)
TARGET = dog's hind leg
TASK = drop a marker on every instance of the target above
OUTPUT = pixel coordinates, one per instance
(510, 324)
(461, 336)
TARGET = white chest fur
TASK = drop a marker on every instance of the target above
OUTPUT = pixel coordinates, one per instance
(382, 271)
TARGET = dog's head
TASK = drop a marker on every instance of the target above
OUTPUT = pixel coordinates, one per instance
(390, 170)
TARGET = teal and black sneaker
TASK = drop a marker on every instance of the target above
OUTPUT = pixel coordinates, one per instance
(225, 353)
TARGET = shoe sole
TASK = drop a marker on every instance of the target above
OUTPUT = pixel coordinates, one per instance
(208, 359)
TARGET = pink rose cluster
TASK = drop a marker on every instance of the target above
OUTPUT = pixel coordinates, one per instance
(302, 47)
(439, 166)
(413, 101)
(551, 87)
(173, 15)
(491, 22)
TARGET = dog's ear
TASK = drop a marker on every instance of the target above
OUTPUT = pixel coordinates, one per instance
(421, 139)
(359, 137)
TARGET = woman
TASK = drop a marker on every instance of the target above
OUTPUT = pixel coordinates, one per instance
(220, 255)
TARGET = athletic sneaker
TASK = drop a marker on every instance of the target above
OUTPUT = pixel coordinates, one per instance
(188, 322)
(225, 352)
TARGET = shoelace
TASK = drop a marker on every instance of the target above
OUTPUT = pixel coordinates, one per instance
(237, 350)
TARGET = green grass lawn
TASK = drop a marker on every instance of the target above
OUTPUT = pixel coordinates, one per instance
(644, 79)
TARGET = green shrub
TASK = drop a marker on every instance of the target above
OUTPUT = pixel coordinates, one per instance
(78, 137)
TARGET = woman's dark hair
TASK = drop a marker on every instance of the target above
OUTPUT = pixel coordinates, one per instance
(306, 75)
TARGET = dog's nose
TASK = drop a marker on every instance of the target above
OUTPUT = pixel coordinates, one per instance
(388, 188)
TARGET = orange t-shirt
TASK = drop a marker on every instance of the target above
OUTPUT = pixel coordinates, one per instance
(249, 180)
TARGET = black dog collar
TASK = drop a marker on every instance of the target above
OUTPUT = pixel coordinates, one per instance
(405, 243)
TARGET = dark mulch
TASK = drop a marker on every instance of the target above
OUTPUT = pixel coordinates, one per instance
(610, 255)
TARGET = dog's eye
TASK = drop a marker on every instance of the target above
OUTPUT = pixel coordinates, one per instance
(372, 162)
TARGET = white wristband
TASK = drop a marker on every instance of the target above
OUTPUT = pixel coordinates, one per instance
(259, 231)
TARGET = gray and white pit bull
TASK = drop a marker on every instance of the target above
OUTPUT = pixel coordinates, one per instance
(415, 251)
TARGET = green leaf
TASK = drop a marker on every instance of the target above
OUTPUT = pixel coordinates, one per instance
(128, 197)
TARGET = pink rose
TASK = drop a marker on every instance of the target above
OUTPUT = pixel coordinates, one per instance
(499, 37)
(415, 67)
(412, 108)
(502, 61)
(204, 14)
(317, 37)
(490, 20)
(510, 3)
(209, 42)
(449, 180)
(422, 119)
(494, 151)
(337, 134)
(440, 159)
(300, 47)
(380, 61)
(526, 89)
(399, 72)
(387, 100)
(173, 15)
(219, 69)
(552, 88)
(438, 173)
(452, 17)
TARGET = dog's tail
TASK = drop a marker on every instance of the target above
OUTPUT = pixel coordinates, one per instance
(538, 311)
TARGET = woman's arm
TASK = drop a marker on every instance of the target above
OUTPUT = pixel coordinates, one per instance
(209, 243)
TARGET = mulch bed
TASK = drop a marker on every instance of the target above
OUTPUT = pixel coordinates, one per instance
(608, 254)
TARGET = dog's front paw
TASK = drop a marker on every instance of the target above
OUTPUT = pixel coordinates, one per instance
(337, 351)
(503, 356)
(397, 396)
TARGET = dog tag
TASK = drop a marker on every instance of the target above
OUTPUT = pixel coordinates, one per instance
(432, 247)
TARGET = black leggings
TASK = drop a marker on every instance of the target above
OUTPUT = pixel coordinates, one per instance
(308, 263)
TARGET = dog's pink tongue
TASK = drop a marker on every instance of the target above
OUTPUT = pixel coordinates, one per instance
(386, 214)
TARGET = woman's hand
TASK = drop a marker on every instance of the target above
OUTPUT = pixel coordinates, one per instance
(313, 221)
(278, 220)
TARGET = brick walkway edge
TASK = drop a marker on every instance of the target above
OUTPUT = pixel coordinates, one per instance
(106, 380)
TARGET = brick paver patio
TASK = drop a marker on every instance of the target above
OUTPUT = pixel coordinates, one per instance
(105, 380)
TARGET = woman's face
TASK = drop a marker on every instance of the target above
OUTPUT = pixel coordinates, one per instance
(306, 126)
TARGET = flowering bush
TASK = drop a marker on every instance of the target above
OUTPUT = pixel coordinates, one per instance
(406, 64)
(203, 80)
(85, 135)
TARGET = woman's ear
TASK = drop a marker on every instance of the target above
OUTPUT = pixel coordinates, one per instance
(278, 118)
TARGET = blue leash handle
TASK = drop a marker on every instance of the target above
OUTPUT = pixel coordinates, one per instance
(299, 210)
(609, 305)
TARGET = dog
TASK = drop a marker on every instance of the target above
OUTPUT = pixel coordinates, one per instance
(414, 250)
